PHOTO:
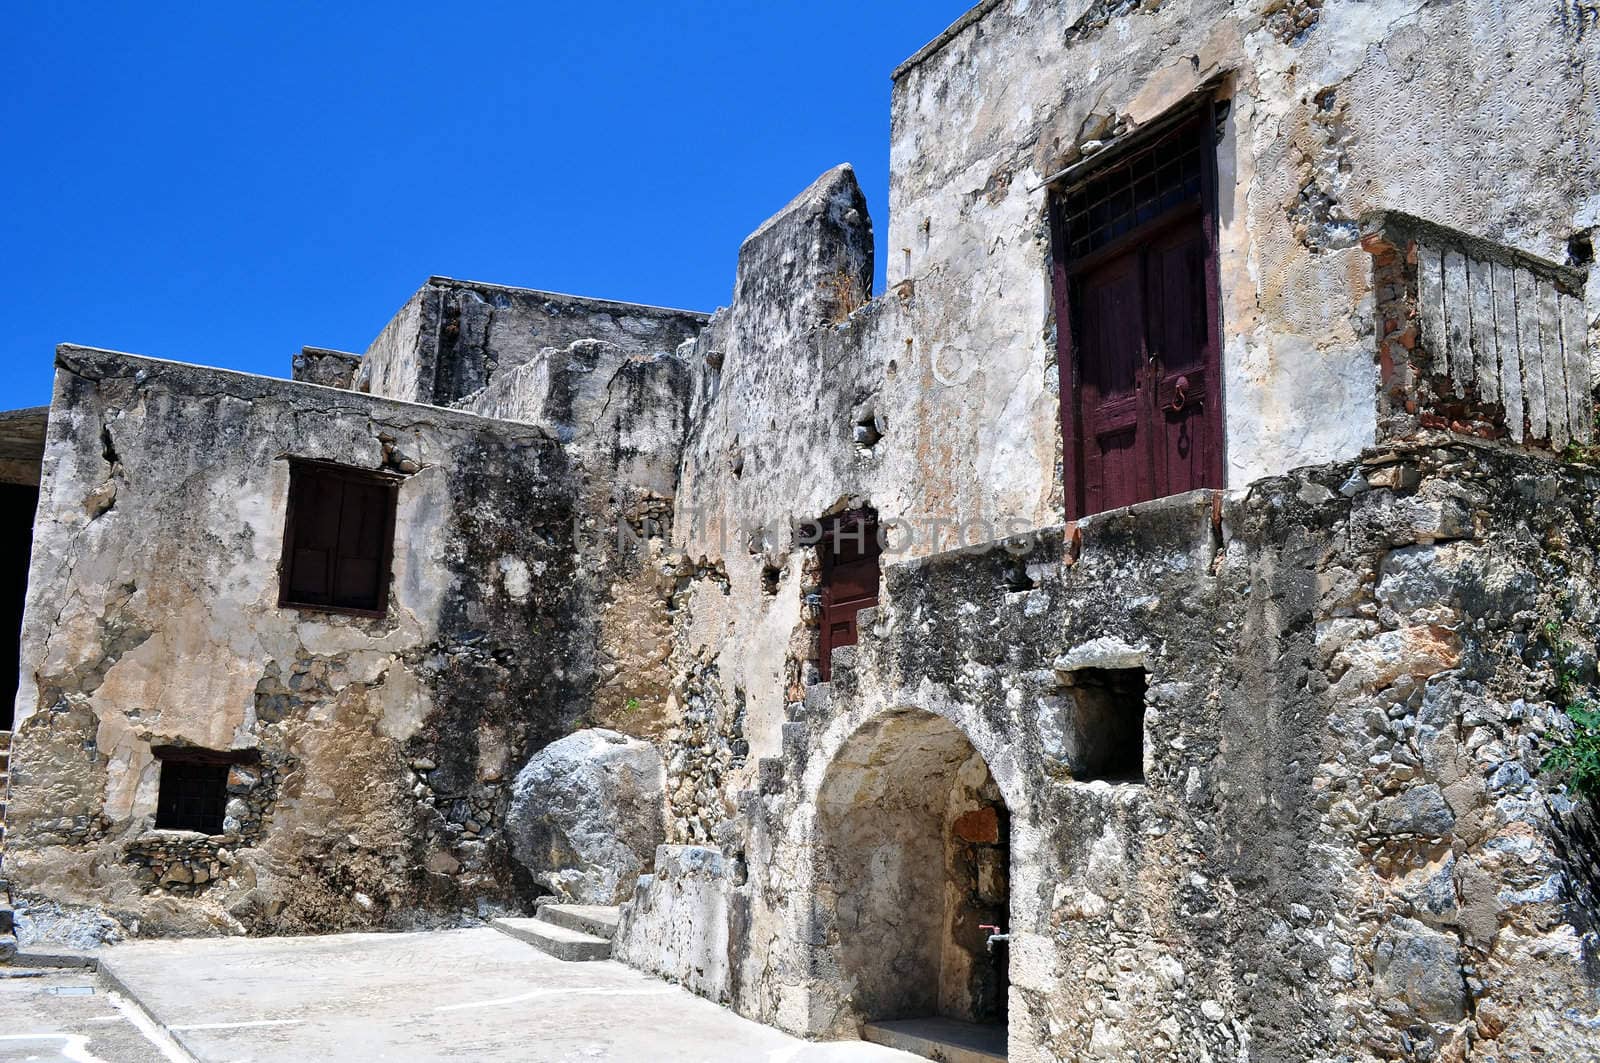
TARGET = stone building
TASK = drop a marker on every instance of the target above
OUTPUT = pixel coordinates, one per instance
(1137, 631)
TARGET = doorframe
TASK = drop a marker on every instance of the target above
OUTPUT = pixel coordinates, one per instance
(1207, 114)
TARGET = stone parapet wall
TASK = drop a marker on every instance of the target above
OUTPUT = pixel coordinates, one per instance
(453, 338)
(1477, 338)
(1342, 845)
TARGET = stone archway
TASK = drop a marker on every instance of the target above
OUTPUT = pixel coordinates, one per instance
(912, 865)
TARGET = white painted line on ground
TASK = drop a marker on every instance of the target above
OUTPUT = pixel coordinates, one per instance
(535, 994)
(170, 1050)
(106, 1018)
(236, 1025)
(74, 1046)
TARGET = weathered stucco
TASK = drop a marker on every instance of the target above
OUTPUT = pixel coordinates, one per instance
(1339, 848)
(452, 337)
(1251, 773)
(153, 620)
(1479, 117)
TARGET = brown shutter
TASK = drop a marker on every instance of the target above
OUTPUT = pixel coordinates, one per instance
(316, 501)
(359, 568)
(850, 573)
(338, 539)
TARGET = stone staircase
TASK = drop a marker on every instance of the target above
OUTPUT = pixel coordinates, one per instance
(574, 932)
(8, 935)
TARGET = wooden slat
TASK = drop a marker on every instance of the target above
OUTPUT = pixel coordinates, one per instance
(1458, 321)
(1480, 284)
(1430, 306)
(1532, 358)
(1505, 330)
(1555, 369)
(1575, 348)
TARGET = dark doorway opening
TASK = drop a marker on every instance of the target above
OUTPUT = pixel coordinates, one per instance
(850, 549)
(1139, 321)
(914, 875)
(17, 505)
(1107, 734)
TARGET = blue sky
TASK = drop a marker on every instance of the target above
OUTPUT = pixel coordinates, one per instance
(222, 183)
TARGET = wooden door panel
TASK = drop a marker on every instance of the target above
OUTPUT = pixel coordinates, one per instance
(1179, 325)
(1122, 465)
(850, 573)
(1138, 304)
(1184, 363)
(1110, 370)
(1111, 354)
(854, 581)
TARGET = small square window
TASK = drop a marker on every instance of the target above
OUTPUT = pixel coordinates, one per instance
(337, 539)
(194, 795)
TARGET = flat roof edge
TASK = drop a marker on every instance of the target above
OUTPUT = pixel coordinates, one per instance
(24, 413)
(457, 282)
(66, 351)
(954, 30)
(313, 349)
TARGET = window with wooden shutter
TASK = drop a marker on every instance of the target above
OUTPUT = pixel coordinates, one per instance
(1138, 320)
(337, 539)
(850, 547)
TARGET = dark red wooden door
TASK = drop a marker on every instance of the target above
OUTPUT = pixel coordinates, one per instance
(1136, 286)
(850, 570)
(1116, 443)
(1183, 363)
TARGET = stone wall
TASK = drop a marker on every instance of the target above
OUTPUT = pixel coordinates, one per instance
(621, 416)
(1340, 847)
(1278, 816)
(938, 402)
(384, 748)
(1477, 116)
(319, 365)
(452, 337)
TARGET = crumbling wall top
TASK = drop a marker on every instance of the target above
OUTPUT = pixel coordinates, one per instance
(954, 30)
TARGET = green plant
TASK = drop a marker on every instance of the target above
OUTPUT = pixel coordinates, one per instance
(1575, 756)
(1585, 453)
(631, 706)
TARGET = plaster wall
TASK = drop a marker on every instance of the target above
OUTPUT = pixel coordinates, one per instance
(453, 337)
(382, 747)
(1477, 116)
(1341, 846)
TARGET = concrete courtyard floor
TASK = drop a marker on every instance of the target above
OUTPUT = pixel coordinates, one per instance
(473, 994)
(55, 1014)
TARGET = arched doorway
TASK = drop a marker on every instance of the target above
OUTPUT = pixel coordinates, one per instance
(913, 876)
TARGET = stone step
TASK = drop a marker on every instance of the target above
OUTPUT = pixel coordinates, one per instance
(947, 1040)
(558, 941)
(7, 919)
(596, 920)
(818, 697)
